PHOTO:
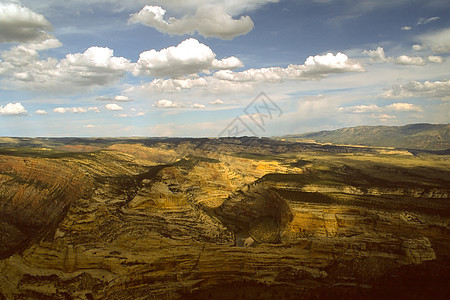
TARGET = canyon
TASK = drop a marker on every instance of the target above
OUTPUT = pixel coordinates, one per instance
(241, 218)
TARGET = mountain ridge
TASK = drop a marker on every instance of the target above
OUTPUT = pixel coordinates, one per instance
(422, 136)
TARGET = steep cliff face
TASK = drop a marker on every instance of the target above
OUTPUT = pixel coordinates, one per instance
(33, 194)
(177, 221)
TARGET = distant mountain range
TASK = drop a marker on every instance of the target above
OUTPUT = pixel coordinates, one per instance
(413, 136)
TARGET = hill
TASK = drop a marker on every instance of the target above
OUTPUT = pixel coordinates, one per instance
(413, 136)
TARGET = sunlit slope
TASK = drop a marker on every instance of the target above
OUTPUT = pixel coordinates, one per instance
(221, 218)
(413, 136)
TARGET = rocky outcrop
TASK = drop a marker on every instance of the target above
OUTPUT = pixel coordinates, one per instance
(33, 194)
(176, 221)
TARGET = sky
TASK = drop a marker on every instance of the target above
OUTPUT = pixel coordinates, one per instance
(220, 68)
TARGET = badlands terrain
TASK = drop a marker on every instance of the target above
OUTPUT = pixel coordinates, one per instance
(229, 218)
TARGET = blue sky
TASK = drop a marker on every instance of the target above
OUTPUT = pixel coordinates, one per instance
(192, 68)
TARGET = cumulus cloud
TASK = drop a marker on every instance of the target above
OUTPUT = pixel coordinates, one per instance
(97, 66)
(118, 98)
(139, 114)
(164, 103)
(205, 85)
(361, 109)
(234, 7)
(377, 55)
(41, 112)
(113, 107)
(404, 107)
(13, 109)
(378, 112)
(228, 63)
(410, 60)
(208, 21)
(94, 109)
(197, 106)
(415, 89)
(438, 41)
(20, 24)
(435, 59)
(385, 117)
(170, 85)
(59, 110)
(49, 43)
(75, 110)
(406, 28)
(315, 67)
(188, 57)
(216, 102)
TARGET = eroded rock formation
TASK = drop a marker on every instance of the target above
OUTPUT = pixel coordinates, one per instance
(184, 219)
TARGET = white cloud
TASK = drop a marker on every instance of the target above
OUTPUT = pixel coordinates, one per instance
(315, 67)
(436, 59)
(131, 115)
(410, 60)
(415, 89)
(13, 109)
(75, 110)
(234, 7)
(361, 109)
(59, 110)
(228, 63)
(41, 112)
(208, 21)
(216, 102)
(169, 85)
(438, 41)
(95, 109)
(377, 55)
(404, 107)
(113, 107)
(164, 103)
(49, 43)
(377, 111)
(273, 74)
(205, 85)
(118, 98)
(197, 106)
(97, 66)
(423, 21)
(385, 117)
(188, 57)
(89, 126)
(20, 24)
